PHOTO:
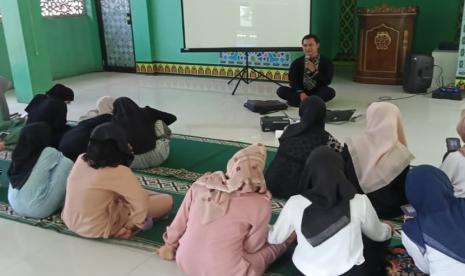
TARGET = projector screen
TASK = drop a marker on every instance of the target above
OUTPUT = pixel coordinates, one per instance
(211, 25)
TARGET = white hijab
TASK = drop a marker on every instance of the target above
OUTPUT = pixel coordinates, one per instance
(104, 106)
(380, 153)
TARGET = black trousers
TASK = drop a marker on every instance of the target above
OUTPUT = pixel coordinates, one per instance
(375, 260)
(289, 94)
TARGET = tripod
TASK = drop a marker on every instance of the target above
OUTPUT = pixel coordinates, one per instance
(244, 75)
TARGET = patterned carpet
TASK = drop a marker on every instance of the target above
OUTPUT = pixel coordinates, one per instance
(190, 157)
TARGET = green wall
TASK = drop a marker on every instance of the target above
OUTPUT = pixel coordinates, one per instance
(73, 45)
(4, 60)
(325, 24)
(167, 36)
(435, 23)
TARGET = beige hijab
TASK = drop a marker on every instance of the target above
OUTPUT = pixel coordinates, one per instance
(104, 106)
(461, 129)
(380, 153)
(244, 175)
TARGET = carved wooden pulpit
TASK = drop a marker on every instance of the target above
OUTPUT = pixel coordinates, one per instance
(385, 39)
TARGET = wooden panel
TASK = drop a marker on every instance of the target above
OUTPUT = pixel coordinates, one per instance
(385, 39)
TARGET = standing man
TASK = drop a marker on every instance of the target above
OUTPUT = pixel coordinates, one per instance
(309, 75)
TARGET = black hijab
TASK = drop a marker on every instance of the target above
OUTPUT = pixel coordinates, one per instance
(50, 108)
(32, 140)
(61, 92)
(312, 114)
(327, 187)
(139, 126)
(75, 141)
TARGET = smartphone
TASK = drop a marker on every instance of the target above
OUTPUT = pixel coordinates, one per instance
(452, 144)
(408, 210)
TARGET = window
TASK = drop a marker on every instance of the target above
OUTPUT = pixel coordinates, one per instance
(52, 8)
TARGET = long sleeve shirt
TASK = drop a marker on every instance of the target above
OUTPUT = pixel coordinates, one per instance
(432, 262)
(453, 166)
(323, 77)
(219, 247)
(340, 252)
(99, 202)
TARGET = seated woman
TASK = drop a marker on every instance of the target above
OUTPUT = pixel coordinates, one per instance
(4, 110)
(435, 237)
(75, 141)
(329, 219)
(51, 109)
(37, 173)
(454, 163)
(9, 127)
(104, 106)
(103, 197)
(147, 131)
(295, 145)
(221, 226)
(378, 160)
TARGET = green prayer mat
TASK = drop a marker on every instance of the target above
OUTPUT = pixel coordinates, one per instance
(190, 157)
(13, 128)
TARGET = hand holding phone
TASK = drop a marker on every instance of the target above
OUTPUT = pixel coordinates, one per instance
(408, 210)
(452, 144)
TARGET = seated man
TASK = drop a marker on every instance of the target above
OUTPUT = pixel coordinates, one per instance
(309, 75)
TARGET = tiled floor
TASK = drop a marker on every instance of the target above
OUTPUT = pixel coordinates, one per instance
(204, 108)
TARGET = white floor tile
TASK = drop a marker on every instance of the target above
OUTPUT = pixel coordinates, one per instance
(75, 256)
(155, 266)
(204, 108)
(18, 241)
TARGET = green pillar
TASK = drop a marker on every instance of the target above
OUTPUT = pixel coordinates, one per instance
(30, 66)
(141, 30)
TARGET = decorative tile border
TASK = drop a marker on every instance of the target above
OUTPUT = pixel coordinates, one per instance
(219, 71)
(460, 74)
(460, 83)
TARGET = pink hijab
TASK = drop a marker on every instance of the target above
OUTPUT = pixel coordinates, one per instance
(244, 175)
(380, 153)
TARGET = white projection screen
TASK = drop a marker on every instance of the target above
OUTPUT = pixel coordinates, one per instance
(244, 24)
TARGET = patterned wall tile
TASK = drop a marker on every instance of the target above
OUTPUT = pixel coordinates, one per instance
(118, 33)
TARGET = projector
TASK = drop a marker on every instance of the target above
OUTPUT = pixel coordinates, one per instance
(272, 123)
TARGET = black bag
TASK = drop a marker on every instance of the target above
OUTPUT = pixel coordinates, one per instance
(264, 107)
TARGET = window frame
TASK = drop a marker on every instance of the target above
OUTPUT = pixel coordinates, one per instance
(84, 11)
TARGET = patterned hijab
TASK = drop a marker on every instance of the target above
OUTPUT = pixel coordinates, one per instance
(244, 174)
(380, 152)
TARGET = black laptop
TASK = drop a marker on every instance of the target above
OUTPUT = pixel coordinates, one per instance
(339, 115)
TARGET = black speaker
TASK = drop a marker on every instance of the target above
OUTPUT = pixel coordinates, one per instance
(418, 73)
